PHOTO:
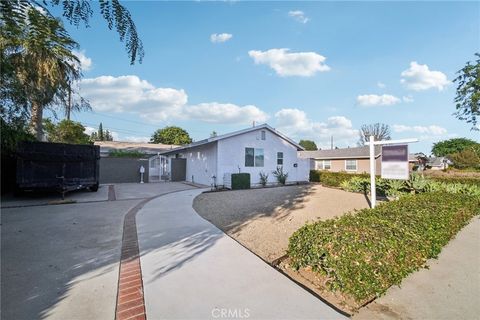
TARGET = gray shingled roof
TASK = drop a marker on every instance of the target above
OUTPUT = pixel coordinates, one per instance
(356, 153)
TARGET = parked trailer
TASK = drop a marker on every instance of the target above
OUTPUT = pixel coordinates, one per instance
(57, 166)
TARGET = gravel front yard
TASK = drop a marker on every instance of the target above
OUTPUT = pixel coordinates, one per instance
(263, 219)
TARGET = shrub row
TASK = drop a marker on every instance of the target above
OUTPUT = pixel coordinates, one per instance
(361, 182)
(126, 154)
(333, 179)
(456, 179)
(365, 253)
(416, 184)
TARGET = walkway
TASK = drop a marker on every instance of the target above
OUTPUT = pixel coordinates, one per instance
(448, 289)
(191, 269)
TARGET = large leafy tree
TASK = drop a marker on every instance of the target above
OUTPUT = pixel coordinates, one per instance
(380, 131)
(66, 131)
(38, 66)
(309, 145)
(39, 53)
(451, 146)
(468, 93)
(171, 135)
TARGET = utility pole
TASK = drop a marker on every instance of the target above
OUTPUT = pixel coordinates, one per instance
(331, 143)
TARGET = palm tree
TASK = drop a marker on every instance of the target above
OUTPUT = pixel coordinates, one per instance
(77, 12)
(40, 50)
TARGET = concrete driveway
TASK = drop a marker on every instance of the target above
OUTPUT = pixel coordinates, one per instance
(192, 270)
(61, 261)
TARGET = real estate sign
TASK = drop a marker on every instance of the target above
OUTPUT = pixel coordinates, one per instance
(395, 162)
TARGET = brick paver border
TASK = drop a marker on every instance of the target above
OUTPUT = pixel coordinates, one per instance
(130, 300)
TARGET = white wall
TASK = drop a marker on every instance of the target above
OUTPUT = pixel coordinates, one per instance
(231, 157)
(201, 163)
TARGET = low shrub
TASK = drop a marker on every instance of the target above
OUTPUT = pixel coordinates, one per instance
(280, 175)
(362, 254)
(263, 178)
(240, 181)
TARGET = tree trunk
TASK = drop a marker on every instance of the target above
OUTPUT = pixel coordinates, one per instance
(36, 121)
(69, 105)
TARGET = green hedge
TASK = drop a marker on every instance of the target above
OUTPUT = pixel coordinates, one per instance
(333, 179)
(127, 154)
(364, 253)
(455, 179)
(240, 181)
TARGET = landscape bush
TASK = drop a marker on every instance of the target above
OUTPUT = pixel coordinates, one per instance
(365, 252)
(333, 179)
(280, 175)
(263, 178)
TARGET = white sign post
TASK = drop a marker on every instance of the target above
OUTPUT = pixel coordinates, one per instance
(394, 170)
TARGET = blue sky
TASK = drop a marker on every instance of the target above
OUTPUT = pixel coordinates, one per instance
(312, 70)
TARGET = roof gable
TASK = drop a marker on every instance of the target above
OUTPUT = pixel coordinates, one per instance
(237, 133)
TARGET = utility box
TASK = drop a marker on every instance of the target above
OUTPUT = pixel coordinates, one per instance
(240, 181)
(57, 166)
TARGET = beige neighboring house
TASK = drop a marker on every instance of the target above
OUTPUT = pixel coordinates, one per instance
(143, 147)
(352, 160)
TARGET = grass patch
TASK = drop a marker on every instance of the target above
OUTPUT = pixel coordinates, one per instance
(365, 252)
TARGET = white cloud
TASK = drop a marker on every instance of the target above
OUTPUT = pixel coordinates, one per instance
(381, 85)
(431, 130)
(85, 62)
(303, 64)
(133, 95)
(369, 100)
(407, 99)
(298, 16)
(295, 123)
(89, 130)
(215, 112)
(419, 77)
(220, 37)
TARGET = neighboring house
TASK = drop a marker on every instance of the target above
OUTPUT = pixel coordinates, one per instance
(438, 163)
(253, 150)
(353, 160)
(417, 161)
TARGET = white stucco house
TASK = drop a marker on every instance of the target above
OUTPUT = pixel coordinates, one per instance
(253, 150)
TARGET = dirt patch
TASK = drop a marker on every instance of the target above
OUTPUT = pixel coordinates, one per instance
(263, 219)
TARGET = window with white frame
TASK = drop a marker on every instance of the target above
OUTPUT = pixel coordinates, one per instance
(351, 165)
(279, 158)
(327, 164)
(254, 157)
(323, 164)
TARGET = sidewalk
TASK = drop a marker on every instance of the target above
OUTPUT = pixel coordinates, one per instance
(191, 269)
